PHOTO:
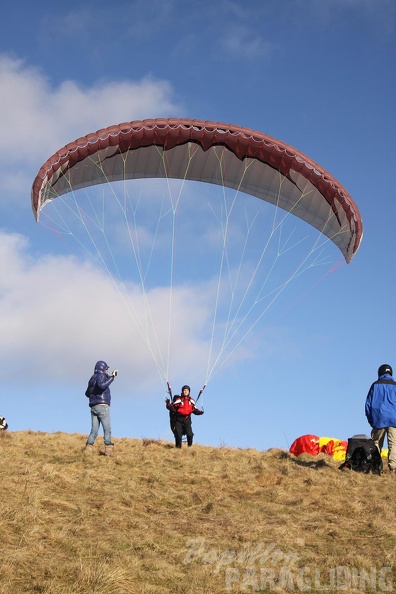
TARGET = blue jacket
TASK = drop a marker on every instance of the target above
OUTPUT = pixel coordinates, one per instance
(98, 390)
(381, 403)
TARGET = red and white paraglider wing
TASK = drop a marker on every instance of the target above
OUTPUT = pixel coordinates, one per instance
(211, 152)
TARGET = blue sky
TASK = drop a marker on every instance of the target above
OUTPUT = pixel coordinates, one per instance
(318, 76)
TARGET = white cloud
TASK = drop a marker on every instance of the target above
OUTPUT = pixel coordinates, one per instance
(38, 117)
(58, 313)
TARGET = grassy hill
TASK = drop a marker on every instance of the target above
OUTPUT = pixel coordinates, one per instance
(201, 520)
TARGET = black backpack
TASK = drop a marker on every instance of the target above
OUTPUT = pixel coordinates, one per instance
(362, 455)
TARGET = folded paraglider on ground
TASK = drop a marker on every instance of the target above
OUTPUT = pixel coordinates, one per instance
(314, 445)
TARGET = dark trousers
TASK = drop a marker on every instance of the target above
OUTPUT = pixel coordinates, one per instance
(183, 427)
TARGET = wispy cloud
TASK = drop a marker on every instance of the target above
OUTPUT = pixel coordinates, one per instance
(243, 44)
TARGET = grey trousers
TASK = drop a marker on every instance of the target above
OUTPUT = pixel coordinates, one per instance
(378, 435)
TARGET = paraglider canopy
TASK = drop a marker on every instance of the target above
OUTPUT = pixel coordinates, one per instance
(212, 152)
(229, 247)
(314, 445)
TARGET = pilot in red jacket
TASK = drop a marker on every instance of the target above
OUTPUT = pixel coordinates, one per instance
(181, 408)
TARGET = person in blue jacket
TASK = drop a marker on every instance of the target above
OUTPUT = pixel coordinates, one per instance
(380, 411)
(98, 392)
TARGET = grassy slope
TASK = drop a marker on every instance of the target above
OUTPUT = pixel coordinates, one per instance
(204, 520)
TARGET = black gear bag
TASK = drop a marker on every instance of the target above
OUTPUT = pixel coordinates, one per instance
(362, 455)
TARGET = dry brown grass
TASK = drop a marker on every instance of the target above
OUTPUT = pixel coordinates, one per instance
(156, 520)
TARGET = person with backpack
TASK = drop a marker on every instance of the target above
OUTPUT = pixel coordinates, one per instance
(98, 392)
(181, 408)
(380, 411)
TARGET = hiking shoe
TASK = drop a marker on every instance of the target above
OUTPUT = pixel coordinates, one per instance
(88, 449)
(109, 450)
